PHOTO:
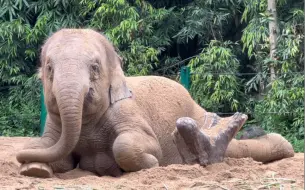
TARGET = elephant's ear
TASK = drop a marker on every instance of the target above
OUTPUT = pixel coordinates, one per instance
(39, 73)
(43, 49)
(118, 88)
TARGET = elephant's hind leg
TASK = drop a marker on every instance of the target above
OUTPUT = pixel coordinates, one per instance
(203, 145)
(267, 148)
(135, 151)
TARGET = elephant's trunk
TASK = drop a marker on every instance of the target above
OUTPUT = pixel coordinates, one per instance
(70, 98)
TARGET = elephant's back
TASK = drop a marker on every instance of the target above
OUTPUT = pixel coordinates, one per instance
(162, 101)
(161, 93)
(156, 85)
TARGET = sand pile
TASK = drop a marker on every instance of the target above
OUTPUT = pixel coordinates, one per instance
(231, 174)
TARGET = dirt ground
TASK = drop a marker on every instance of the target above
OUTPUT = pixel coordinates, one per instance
(231, 174)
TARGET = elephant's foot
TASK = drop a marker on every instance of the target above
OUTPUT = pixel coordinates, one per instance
(36, 169)
(206, 146)
(105, 165)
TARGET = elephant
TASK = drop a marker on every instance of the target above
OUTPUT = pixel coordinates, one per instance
(104, 122)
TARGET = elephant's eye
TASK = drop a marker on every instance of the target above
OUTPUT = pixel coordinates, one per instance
(95, 68)
(94, 71)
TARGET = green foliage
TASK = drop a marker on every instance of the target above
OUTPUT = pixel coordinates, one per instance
(135, 30)
(216, 67)
(282, 107)
(20, 109)
(207, 20)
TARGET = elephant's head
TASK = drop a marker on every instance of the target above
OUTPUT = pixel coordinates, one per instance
(81, 75)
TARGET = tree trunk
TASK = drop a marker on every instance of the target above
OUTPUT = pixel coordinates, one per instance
(273, 30)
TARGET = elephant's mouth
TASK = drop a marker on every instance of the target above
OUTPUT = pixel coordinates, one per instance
(89, 96)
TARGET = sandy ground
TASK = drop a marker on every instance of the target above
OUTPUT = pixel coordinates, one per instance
(231, 174)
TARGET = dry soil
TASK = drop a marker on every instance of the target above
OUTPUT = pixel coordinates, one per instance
(231, 174)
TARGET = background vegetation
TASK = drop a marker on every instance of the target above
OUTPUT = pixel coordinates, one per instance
(225, 43)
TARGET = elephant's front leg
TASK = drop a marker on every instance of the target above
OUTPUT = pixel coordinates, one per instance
(206, 144)
(44, 170)
(106, 165)
(136, 150)
(101, 163)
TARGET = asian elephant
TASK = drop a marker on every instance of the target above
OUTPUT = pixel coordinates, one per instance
(106, 123)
